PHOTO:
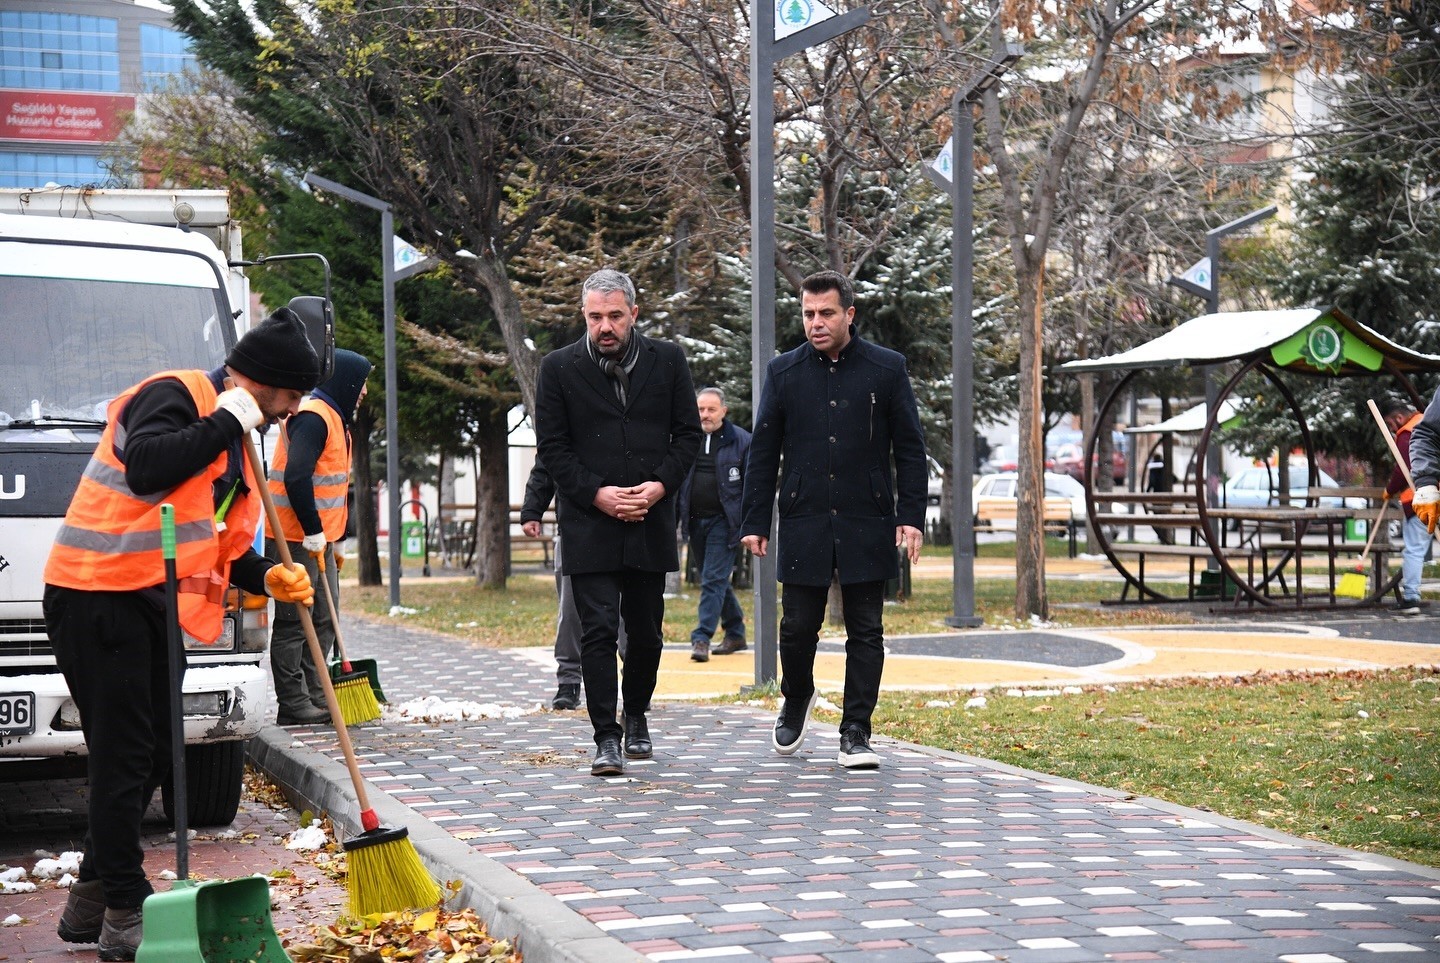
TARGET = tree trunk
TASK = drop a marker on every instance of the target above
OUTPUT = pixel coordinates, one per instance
(524, 360)
(492, 502)
(1030, 485)
(367, 545)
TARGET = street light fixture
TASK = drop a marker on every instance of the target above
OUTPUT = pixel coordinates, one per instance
(1211, 294)
(961, 187)
(392, 409)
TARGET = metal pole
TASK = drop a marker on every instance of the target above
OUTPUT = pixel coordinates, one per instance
(392, 402)
(762, 294)
(962, 364)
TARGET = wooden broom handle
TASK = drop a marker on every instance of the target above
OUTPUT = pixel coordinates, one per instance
(1374, 527)
(334, 616)
(1390, 440)
(311, 639)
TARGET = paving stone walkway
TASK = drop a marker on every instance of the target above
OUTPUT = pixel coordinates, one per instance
(718, 848)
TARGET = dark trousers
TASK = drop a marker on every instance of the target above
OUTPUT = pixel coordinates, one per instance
(112, 649)
(602, 599)
(802, 611)
(718, 604)
(297, 680)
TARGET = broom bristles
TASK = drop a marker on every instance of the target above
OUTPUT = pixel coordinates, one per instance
(357, 701)
(1353, 585)
(386, 874)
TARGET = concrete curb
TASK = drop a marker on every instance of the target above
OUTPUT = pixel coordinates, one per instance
(544, 929)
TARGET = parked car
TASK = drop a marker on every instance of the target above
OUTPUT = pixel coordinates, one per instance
(1070, 460)
(1002, 485)
(1259, 486)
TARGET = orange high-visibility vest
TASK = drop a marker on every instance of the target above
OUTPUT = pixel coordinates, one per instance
(110, 539)
(331, 478)
(1408, 495)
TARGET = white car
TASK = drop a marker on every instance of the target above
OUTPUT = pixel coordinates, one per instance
(1002, 485)
(1259, 486)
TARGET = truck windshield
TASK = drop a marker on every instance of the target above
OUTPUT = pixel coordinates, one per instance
(70, 345)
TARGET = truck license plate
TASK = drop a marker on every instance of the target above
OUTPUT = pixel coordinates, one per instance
(17, 713)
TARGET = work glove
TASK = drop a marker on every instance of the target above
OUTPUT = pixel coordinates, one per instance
(243, 406)
(290, 585)
(314, 544)
(339, 561)
(1427, 505)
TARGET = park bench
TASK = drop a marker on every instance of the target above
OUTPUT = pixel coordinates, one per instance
(998, 514)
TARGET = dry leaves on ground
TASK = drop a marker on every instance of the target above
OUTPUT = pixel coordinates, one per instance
(436, 934)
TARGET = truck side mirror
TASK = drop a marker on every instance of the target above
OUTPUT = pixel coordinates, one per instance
(319, 317)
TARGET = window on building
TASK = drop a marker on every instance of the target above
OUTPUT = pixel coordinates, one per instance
(165, 55)
(58, 51)
(26, 169)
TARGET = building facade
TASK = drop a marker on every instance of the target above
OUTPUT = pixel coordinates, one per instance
(72, 74)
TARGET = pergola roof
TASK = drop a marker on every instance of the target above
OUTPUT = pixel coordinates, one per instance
(1187, 422)
(1315, 341)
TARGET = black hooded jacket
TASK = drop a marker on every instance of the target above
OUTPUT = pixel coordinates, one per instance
(306, 434)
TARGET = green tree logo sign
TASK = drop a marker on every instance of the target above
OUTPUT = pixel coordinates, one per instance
(794, 13)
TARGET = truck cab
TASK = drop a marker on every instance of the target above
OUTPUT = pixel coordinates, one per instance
(92, 302)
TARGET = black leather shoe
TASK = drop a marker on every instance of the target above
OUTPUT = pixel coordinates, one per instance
(637, 738)
(855, 751)
(607, 758)
(731, 644)
(699, 651)
(791, 725)
(304, 716)
(567, 696)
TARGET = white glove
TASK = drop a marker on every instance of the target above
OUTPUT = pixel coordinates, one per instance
(242, 405)
(314, 544)
(1427, 505)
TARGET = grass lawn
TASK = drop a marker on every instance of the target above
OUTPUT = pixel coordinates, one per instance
(1346, 758)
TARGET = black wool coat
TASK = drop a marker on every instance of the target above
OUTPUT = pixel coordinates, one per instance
(829, 430)
(586, 440)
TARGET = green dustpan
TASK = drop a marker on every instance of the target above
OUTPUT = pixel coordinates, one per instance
(367, 666)
(214, 922)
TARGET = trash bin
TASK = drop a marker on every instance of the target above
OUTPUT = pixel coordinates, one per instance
(412, 539)
(1211, 586)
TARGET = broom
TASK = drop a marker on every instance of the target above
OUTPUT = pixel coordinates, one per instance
(352, 689)
(1356, 584)
(386, 874)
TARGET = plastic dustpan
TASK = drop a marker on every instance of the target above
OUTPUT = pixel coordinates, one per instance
(371, 670)
(215, 922)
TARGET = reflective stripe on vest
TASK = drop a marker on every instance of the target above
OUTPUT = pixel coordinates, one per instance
(331, 478)
(110, 539)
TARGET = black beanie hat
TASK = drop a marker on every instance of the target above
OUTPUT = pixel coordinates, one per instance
(276, 352)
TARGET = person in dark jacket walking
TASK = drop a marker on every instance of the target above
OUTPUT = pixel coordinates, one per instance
(709, 510)
(539, 493)
(838, 409)
(616, 428)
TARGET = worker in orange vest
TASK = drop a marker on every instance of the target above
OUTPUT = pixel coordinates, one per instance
(177, 437)
(1401, 418)
(308, 480)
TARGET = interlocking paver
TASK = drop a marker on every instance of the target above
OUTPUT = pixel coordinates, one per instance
(719, 848)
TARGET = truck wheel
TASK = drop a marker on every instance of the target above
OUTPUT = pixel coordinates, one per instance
(214, 775)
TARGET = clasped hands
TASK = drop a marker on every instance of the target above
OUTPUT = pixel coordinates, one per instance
(630, 504)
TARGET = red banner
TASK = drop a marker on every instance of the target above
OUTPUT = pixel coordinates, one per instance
(55, 115)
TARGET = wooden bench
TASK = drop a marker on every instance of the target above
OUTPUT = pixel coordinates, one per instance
(1192, 553)
(545, 540)
(998, 514)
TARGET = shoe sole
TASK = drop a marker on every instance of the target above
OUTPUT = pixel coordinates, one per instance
(859, 760)
(69, 935)
(804, 726)
(607, 770)
(700, 658)
(639, 755)
(116, 953)
(564, 707)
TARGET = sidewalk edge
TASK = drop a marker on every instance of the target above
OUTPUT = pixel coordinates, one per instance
(545, 929)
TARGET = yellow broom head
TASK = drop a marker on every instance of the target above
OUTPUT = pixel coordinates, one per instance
(386, 874)
(1353, 585)
(356, 698)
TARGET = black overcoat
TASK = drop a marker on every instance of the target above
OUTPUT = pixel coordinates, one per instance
(829, 430)
(586, 440)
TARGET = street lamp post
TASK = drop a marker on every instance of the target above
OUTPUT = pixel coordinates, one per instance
(765, 52)
(961, 187)
(1211, 294)
(392, 409)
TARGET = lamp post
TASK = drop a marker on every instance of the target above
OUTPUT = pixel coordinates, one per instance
(392, 409)
(1211, 294)
(817, 24)
(961, 187)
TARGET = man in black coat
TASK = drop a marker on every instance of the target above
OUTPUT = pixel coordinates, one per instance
(838, 409)
(617, 429)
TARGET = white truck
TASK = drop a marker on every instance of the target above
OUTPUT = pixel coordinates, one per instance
(98, 290)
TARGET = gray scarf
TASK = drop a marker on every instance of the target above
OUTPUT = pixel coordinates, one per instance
(619, 370)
